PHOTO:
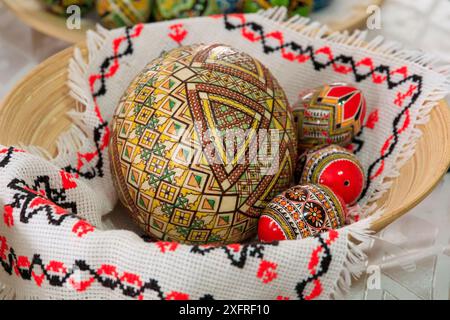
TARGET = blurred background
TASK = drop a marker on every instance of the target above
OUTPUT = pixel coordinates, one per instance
(412, 255)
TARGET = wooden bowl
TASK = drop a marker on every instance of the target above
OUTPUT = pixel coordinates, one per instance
(351, 15)
(33, 13)
(35, 112)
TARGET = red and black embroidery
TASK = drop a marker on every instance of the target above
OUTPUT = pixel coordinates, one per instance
(6, 155)
(107, 69)
(358, 142)
(40, 197)
(318, 266)
(345, 64)
(57, 274)
(236, 253)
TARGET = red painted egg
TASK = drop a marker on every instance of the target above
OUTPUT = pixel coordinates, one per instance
(330, 114)
(301, 211)
(334, 167)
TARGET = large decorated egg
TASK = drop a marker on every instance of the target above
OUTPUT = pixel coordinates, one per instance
(334, 167)
(202, 140)
(330, 114)
(171, 9)
(300, 212)
(300, 7)
(60, 6)
(120, 13)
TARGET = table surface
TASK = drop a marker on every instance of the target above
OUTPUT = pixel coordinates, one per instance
(412, 255)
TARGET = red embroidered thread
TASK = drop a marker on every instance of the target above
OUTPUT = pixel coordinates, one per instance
(165, 246)
(178, 33)
(372, 119)
(8, 216)
(314, 262)
(266, 271)
(84, 158)
(82, 227)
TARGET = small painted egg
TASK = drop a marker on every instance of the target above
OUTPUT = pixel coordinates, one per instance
(300, 7)
(60, 6)
(121, 13)
(334, 167)
(229, 6)
(330, 114)
(172, 9)
(320, 4)
(171, 164)
(300, 212)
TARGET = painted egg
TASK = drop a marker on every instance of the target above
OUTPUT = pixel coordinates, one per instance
(202, 140)
(300, 212)
(171, 9)
(334, 167)
(121, 13)
(60, 6)
(320, 4)
(300, 7)
(331, 114)
(229, 6)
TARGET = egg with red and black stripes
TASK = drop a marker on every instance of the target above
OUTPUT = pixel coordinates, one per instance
(335, 167)
(300, 212)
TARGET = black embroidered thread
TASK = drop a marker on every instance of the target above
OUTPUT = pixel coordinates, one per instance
(358, 141)
(107, 63)
(7, 158)
(99, 131)
(36, 268)
(324, 265)
(395, 133)
(238, 258)
(25, 195)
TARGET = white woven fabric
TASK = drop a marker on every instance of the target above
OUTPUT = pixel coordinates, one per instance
(53, 242)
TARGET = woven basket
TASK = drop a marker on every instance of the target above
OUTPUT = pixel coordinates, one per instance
(44, 101)
(33, 14)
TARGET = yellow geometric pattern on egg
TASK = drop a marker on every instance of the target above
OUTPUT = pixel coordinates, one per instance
(179, 183)
(119, 13)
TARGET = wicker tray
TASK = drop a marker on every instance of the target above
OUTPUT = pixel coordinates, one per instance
(41, 101)
(340, 15)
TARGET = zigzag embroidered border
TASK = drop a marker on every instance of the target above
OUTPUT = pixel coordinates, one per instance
(317, 267)
(255, 32)
(58, 275)
(248, 250)
(41, 197)
(108, 68)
